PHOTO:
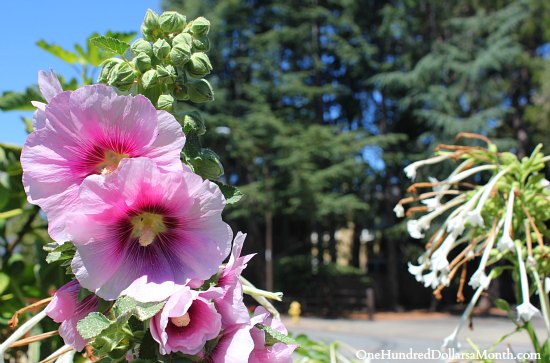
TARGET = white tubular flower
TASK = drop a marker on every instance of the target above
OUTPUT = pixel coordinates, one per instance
(439, 260)
(456, 224)
(479, 278)
(547, 285)
(411, 169)
(399, 210)
(415, 227)
(432, 203)
(474, 217)
(506, 242)
(416, 271)
(452, 340)
(467, 173)
(430, 280)
(526, 311)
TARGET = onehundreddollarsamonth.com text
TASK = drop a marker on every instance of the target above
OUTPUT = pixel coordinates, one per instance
(448, 354)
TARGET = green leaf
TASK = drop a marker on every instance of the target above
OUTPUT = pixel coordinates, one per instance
(110, 44)
(92, 325)
(20, 101)
(502, 304)
(148, 348)
(59, 253)
(273, 336)
(126, 306)
(59, 52)
(4, 282)
(232, 194)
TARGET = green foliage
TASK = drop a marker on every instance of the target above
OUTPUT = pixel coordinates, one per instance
(273, 336)
(111, 45)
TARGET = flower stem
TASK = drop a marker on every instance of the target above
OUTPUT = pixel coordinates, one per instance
(20, 332)
(11, 213)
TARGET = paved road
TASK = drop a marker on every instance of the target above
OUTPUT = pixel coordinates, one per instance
(418, 334)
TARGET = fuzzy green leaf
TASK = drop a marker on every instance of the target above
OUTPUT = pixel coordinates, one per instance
(126, 306)
(232, 194)
(59, 52)
(92, 325)
(273, 336)
(110, 44)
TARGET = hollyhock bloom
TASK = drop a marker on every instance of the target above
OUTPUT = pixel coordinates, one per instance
(278, 352)
(235, 345)
(88, 132)
(186, 322)
(67, 310)
(141, 232)
(230, 304)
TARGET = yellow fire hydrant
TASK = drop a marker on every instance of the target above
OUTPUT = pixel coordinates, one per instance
(294, 311)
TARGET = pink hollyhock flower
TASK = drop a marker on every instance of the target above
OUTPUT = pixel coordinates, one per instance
(278, 352)
(67, 310)
(234, 346)
(88, 132)
(230, 304)
(140, 232)
(187, 322)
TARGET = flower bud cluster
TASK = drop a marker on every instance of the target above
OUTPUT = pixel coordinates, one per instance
(167, 66)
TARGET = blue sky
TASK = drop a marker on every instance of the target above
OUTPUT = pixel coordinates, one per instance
(62, 22)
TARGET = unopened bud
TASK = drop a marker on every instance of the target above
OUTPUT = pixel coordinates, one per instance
(180, 54)
(207, 164)
(200, 26)
(199, 65)
(193, 122)
(108, 66)
(161, 49)
(165, 102)
(185, 38)
(142, 46)
(201, 44)
(149, 79)
(151, 20)
(142, 62)
(122, 76)
(172, 22)
(200, 91)
(166, 74)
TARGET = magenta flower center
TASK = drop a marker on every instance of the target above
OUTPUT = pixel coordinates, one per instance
(147, 226)
(110, 162)
(181, 321)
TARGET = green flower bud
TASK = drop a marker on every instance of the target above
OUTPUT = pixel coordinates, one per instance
(181, 92)
(108, 66)
(122, 76)
(201, 44)
(165, 102)
(200, 91)
(172, 22)
(142, 46)
(151, 20)
(149, 79)
(142, 62)
(166, 74)
(193, 122)
(180, 54)
(161, 49)
(207, 164)
(183, 38)
(200, 26)
(199, 65)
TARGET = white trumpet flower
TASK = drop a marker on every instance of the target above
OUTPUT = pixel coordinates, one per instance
(411, 169)
(474, 217)
(479, 278)
(526, 311)
(399, 210)
(506, 243)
